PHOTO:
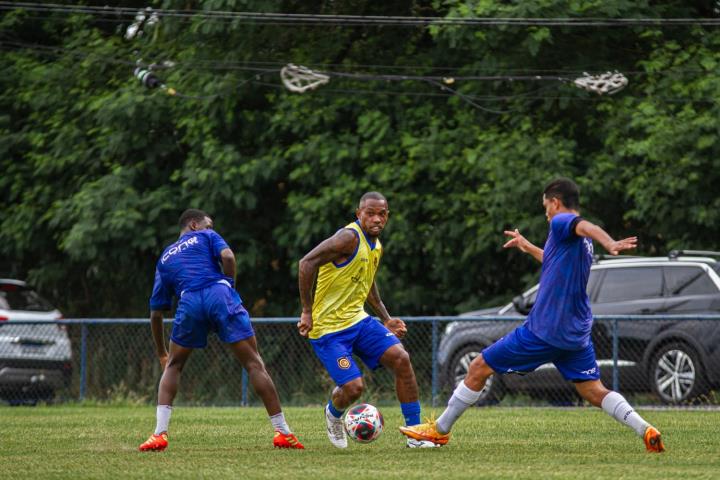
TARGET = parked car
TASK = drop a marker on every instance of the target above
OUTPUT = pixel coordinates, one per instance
(678, 360)
(35, 360)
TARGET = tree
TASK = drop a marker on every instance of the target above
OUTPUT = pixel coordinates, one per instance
(96, 168)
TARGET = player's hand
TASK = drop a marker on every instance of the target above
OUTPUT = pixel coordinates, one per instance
(615, 248)
(163, 360)
(396, 326)
(305, 324)
(517, 240)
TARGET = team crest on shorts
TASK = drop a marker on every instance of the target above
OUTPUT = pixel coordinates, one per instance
(343, 362)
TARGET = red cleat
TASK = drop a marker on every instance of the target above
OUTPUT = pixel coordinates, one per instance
(156, 443)
(280, 440)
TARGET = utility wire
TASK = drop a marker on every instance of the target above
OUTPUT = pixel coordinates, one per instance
(361, 20)
(264, 66)
(258, 72)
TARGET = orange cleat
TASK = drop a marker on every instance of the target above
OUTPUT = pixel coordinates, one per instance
(653, 440)
(156, 443)
(280, 440)
(427, 432)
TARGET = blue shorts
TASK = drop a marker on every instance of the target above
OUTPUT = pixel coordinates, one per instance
(216, 308)
(368, 339)
(521, 351)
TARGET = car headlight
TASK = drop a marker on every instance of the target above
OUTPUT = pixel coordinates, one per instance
(450, 327)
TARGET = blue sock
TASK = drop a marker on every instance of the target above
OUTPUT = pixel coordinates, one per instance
(338, 413)
(411, 412)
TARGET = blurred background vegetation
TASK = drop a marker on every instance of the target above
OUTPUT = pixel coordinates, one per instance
(95, 168)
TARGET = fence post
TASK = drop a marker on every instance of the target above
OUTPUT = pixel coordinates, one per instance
(83, 360)
(244, 401)
(434, 362)
(615, 348)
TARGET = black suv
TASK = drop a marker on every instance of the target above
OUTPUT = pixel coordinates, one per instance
(678, 360)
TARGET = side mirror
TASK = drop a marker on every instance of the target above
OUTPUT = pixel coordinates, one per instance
(521, 305)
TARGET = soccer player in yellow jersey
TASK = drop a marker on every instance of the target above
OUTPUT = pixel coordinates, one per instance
(335, 320)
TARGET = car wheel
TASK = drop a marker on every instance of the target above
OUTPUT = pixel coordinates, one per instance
(676, 373)
(493, 391)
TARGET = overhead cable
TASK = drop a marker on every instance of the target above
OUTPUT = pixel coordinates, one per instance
(363, 20)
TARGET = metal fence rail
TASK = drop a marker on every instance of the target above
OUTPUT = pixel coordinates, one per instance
(653, 359)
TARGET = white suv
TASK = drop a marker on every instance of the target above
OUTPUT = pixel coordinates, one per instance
(35, 359)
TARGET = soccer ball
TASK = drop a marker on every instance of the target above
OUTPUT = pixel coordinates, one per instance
(364, 423)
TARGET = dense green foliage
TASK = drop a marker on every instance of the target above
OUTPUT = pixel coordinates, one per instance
(95, 169)
(101, 442)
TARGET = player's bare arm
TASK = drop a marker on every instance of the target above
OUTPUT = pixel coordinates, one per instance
(337, 248)
(522, 244)
(156, 325)
(395, 325)
(229, 267)
(613, 247)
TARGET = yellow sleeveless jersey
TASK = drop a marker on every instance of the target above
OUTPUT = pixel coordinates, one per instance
(343, 288)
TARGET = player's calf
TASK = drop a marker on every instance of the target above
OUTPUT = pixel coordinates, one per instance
(617, 407)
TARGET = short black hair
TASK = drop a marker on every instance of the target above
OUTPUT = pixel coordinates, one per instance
(371, 195)
(564, 190)
(190, 215)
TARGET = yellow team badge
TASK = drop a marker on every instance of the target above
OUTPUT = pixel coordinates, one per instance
(343, 362)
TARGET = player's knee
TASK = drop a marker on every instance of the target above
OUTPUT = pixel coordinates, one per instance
(479, 370)
(593, 392)
(174, 363)
(254, 364)
(401, 362)
(353, 389)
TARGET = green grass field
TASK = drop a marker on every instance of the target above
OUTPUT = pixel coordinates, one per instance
(100, 442)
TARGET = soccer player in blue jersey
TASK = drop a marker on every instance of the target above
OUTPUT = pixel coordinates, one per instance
(335, 320)
(199, 269)
(558, 327)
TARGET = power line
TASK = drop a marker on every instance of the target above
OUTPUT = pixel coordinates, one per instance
(518, 74)
(265, 67)
(488, 98)
(363, 20)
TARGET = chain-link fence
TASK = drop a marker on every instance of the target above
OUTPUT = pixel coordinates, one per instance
(653, 360)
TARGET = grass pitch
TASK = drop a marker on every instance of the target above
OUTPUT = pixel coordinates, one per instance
(101, 442)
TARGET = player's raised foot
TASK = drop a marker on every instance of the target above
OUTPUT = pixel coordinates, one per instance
(156, 443)
(426, 431)
(412, 443)
(282, 440)
(653, 440)
(335, 430)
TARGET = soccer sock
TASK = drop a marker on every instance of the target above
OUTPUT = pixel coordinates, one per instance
(462, 399)
(334, 411)
(617, 407)
(279, 423)
(411, 412)
(163, 418)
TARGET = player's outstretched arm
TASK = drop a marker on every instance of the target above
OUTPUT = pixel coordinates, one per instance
(395, 325)
(522, 244)
(334, 249)
(613, 247)
(156, 325)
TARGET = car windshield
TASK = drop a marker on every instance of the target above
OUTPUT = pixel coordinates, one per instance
(18, 297)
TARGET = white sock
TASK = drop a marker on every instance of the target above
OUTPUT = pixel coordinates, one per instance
(462, 399)
(279, 423)
(163, 418)
(617, 407)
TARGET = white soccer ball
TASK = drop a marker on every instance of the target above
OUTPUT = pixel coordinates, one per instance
(364, 423)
